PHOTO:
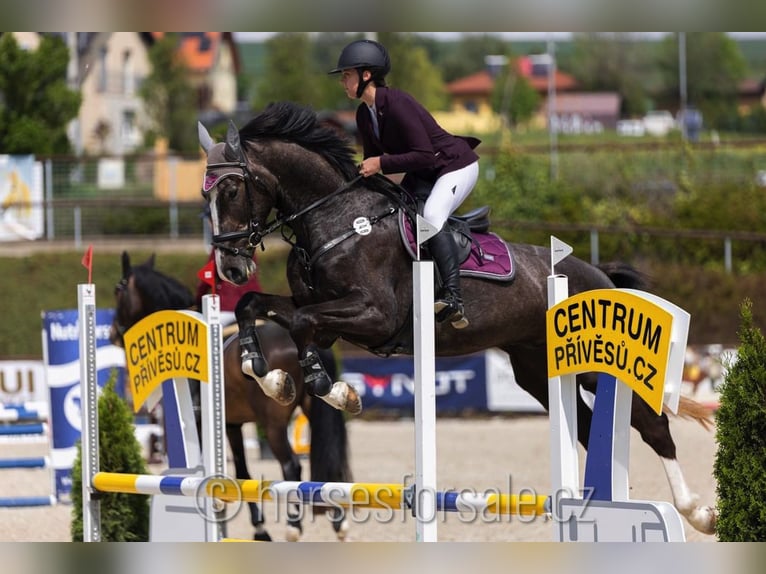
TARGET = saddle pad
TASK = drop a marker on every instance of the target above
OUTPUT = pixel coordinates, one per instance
(490, 256)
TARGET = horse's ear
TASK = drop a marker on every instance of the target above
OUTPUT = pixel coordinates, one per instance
(232, 151)
(204, 137)
(125, 265)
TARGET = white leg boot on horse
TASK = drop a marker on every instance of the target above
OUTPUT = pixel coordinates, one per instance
(276, 384)
(449, 304)
(339, 394)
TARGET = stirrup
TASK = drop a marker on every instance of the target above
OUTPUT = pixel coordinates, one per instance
(450, 309)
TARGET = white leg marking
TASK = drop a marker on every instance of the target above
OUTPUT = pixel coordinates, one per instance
(702, 518)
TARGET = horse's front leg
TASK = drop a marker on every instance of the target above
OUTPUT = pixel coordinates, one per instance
(353, 317)
(277, 384)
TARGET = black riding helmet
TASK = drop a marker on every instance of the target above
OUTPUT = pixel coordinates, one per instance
(365, 55)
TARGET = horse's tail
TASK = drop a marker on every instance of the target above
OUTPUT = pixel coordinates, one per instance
(329, 439)
(625, 276)
(628, 277)
(690, 409)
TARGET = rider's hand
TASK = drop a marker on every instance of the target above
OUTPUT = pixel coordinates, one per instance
(369, 166)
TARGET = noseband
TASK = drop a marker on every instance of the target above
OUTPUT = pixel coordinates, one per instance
(253, 233)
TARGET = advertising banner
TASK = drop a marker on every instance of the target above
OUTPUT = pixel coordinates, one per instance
(389, 384)
(482, 382)
(21, 198)
(61, 360)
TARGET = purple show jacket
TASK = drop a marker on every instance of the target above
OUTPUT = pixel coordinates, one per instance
(411, 141)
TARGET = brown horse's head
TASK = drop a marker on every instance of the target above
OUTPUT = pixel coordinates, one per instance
(142, 290)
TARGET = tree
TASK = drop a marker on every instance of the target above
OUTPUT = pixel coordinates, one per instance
(124, 517)
(513, 97)
(169, 97)
(412, 71)
(714, 68)
(36, 105)
(469, 55)
(740, 464)
(289, 73)
(613, 62)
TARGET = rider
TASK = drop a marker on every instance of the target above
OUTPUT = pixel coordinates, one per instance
(400, 136)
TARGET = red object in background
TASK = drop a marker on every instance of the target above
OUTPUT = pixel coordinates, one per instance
(87, 262)
(207, 275)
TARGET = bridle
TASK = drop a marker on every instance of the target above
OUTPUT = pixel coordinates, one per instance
(254, 234)
(119, 291)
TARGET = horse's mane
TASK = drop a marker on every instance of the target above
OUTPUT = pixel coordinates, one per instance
(161, 291)
(299, 124)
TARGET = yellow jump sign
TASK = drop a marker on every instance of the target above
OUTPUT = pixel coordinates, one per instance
(164, 345)
(614, 332)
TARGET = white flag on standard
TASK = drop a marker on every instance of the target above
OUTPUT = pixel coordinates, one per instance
(559, 250)
(425, 230)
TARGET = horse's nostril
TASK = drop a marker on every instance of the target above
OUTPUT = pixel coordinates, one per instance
(235, 275)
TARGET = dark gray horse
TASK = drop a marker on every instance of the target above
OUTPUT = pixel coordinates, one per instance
(350, 273)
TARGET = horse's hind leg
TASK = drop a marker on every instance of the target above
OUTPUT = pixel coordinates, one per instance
(276, 434)
(237, 444)
(655, 431)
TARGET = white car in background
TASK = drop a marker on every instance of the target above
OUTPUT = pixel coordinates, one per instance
(659, 123)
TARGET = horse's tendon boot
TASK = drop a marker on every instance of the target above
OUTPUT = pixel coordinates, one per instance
(314, 374)
(339, 394)
(253, 363)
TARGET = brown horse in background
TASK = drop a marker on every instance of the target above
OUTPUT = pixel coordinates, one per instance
(142, 290)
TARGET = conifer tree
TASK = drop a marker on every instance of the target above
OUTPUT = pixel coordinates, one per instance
(740, 464)
(124, 517)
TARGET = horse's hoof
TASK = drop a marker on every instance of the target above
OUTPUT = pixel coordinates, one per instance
(341, 530)
(278, 385)
(293, 533)
(344, 397)
(703, 519)
(262, 537)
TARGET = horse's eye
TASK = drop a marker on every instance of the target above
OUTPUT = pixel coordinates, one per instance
(231, 190)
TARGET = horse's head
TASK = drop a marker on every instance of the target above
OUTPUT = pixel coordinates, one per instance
(239, 204)
(129, 306)
(141, 291)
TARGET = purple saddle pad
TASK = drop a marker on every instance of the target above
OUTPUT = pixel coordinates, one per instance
(490, 257)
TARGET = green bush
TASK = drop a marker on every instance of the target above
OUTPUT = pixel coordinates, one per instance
(740, 464)
(124, 517)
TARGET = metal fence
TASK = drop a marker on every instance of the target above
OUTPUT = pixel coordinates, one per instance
(157, 195)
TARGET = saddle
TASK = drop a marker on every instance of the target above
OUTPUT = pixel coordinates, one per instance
(481, 252)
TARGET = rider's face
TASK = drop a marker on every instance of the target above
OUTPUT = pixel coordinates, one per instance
(349, 79)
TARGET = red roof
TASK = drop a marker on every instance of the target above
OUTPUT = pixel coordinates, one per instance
(198, 49)
(481, 83)
(478, 83)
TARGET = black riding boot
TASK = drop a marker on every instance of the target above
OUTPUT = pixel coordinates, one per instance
(449, 304)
